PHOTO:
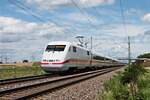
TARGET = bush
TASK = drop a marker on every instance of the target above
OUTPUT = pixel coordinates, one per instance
(144, 86)
(132, 74)
(116, 90)
(129, 85)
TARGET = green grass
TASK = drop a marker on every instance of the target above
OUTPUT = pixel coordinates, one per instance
(144, 86)
(114, 90)
(14, 72)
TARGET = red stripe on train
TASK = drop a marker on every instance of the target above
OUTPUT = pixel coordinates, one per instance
(70, 60)
(61, 62)
(45, 63)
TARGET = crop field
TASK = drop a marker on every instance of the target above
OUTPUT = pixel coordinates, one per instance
(30, 64)
(13, 71)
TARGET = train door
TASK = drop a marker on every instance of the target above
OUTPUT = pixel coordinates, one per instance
(89, 63)
(75, 56)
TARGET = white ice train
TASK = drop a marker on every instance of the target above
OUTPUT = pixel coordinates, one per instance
(62, 56)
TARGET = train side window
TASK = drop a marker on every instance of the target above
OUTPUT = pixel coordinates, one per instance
(88, 53)
(74, 49)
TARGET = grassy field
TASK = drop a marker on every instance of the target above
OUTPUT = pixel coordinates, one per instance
(144, 86)
(115, 90)
(19, 64)
(7, 72)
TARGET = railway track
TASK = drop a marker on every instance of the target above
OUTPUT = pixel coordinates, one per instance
(28, 91)
(21, 79)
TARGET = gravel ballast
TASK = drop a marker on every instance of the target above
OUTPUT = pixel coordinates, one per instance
(85, 90)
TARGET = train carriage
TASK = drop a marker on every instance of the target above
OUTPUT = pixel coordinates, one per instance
(61, 56)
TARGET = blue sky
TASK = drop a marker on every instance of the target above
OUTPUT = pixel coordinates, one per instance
(24, 36)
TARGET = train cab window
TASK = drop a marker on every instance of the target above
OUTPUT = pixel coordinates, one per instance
(74, 49)
(88, 53)
(55, 48)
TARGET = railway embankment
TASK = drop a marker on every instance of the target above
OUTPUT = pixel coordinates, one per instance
(85, 90)
(132, 84)
(28, 91)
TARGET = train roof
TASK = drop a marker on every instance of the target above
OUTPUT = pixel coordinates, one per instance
(73, 44)
(59, 42)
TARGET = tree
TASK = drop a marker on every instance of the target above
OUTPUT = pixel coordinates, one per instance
(131, 76)
(25, 61)
(146, 55)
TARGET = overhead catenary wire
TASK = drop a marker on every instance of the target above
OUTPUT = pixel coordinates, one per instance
(27, 11)
(98, 13)
(38, 17)
(67, 30)
(125, 28)
(123, 16)
(83, 12)
(49, 19)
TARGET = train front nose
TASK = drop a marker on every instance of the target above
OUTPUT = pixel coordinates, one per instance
(52, 67)
(53, 58)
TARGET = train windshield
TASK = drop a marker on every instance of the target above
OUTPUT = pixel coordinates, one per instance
(55, 47)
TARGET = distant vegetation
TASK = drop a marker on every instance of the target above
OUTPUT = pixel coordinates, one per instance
(132, 84)
(146, 55)
(25, 61)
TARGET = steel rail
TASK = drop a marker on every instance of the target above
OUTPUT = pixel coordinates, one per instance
(22, 79)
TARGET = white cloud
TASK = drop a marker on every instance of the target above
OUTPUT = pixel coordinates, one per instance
(52, 4)
(146, 17)
(12, 26)
(81, 18)
(133, 12)
(131, 29)
(91, 3)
